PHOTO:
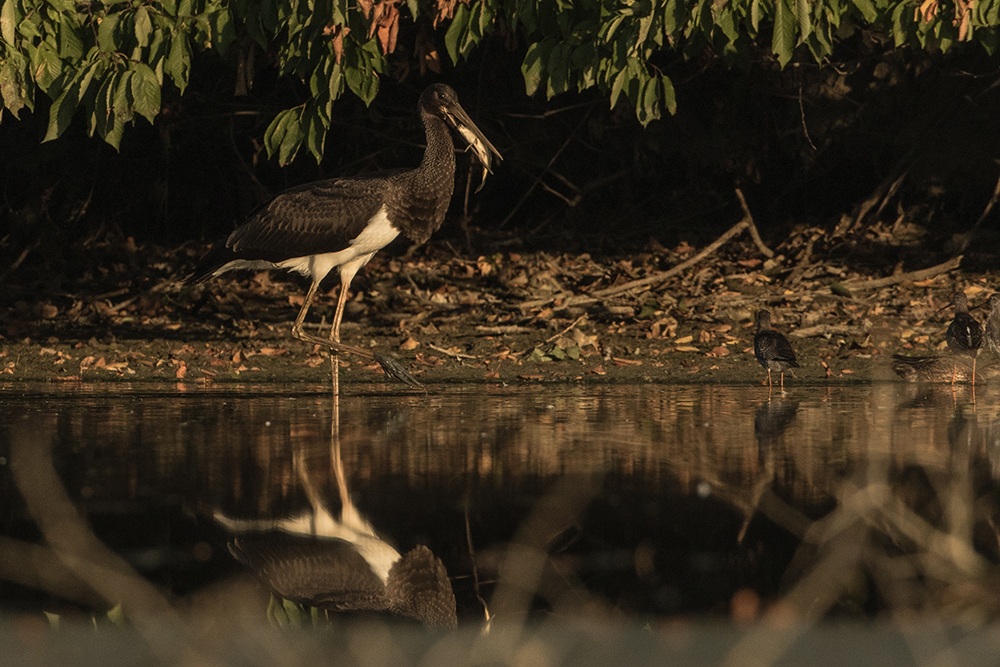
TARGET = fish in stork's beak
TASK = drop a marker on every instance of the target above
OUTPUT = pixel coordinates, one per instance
(455, 116)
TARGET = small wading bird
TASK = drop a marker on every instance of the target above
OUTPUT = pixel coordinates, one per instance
(992, 333)
(342, 222)
(965, 335)
(772, 350)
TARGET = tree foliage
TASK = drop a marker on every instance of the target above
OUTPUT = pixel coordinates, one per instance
(110, 59)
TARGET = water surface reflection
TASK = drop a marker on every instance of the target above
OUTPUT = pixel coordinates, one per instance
(573, 501)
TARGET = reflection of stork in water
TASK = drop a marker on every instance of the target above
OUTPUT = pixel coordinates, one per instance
(318, 560)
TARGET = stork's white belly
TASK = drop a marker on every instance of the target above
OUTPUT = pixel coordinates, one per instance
(377, 234)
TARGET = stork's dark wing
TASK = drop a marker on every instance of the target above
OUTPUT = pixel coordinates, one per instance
(418, 587)
(314, 218)
(324, 572)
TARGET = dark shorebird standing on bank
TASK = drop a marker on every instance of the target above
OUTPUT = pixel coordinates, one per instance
(965, 335)
(772, 350)
(992, 332)
(342, 222)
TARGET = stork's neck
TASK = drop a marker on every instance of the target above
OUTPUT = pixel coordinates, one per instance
(439, 157)
(418, 210)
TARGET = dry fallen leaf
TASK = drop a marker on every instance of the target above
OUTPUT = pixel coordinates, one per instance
(409, 344)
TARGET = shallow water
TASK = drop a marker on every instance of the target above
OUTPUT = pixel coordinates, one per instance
(645, 501)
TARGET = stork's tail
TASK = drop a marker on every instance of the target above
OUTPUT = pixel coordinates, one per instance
(214, 259)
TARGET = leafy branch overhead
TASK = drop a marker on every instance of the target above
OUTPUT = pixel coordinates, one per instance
(110, 59)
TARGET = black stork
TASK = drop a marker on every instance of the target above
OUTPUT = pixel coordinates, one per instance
(772, 350)
(965, 335)
(342, 222)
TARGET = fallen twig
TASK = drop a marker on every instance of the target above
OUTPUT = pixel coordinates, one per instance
(457, 355)
(828, 329)
(648, 281)
(922, 274)
(504, 329)
(754, 234)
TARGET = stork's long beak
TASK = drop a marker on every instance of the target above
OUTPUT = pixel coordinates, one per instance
(477, 141)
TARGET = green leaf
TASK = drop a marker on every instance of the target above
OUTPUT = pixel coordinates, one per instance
(867, 10)
(223, 30)
(106, 33)
(122, 103)
(609, 28)
(178, 65)
(783, 40)
(671, 18)
(457, 30)
(276, 615)
(669, 98)
(10, 88)
(532, 67)
(802, 13)
(315, 133)
(145, 91)
(61, 112)
(70, 43)
(558, 68)
(28, 27)
(143, 26)
(116, 615)
(756, 13)
(902, 21)
(294, 612)
(284, 135)
(8, 22)
(582, 63)
(650, 100)
(538, 356)
(726, 21)
(616, 87)
(46, 66)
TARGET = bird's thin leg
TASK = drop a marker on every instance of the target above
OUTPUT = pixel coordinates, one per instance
(769, 378)
(782, 381)
(345, 283)
(297, 327)
(346, 275)
(973, 371)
